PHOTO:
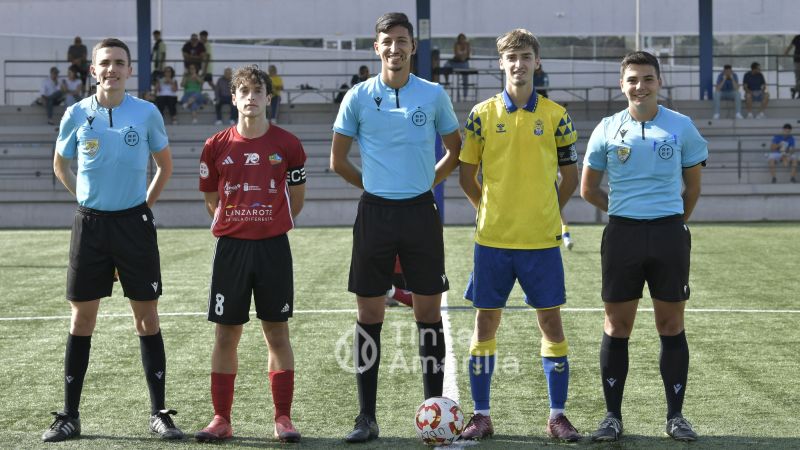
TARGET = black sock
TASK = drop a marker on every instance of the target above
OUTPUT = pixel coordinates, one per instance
(76, 361)
(154, 362)
(367, 360)
(431, 354)
(674, 365)
(614, 371)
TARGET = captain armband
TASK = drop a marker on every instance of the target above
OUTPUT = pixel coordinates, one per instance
(567, 155)
(296, 176)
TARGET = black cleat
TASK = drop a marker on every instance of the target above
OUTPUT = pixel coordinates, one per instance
(63, 427)
(610, 429)
(366, 429)
(161, 424)
(680, 429)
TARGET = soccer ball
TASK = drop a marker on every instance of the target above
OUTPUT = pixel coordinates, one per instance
(439, 421)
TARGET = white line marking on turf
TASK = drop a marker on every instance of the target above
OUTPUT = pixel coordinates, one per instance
(445, 310)
(450, 387)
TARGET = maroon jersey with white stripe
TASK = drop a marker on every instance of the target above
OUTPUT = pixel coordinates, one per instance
(252, 178)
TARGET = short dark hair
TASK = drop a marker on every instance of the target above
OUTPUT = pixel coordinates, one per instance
(393, 19)
(108, 43)
(639, 58)
(204, 33)
(156, 32)
(251, 74)
(754, 66)
(787, 126)
(726, 67)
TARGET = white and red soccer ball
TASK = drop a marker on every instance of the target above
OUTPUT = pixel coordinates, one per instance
(439, 421)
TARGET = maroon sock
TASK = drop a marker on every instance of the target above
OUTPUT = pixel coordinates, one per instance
(222, 393)
(282, 384)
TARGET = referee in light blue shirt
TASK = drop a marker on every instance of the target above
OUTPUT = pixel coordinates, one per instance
(395, 117)
(113, 136)
(649, 152)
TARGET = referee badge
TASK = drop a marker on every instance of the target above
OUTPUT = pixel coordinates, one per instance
(91, 146)
(623, 153)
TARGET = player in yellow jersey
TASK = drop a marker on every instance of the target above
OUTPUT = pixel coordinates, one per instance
(521, 141)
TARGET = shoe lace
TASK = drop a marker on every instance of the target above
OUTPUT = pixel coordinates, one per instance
(562, 422)
(362, 420)
(680, 423)
(477, 421)
(164, 421)
(59, 421)
(611, 422)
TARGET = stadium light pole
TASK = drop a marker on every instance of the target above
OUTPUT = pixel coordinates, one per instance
(143, 45)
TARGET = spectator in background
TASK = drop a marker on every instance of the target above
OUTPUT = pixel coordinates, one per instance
(436, 63)
(207, 71)
(755, 90)
(222, 97)
(72, 87)
(783, 149)
(166, 90)
(50, 94)
(77, 57)
(362, 75)
(461, 54)
(193, 53)
(796, 44)
(727, 88)
(159, 56)
(540, 80)
(277, 88)
(192, 86)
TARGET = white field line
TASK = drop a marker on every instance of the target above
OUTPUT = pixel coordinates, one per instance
(450, 387)
(445, 309)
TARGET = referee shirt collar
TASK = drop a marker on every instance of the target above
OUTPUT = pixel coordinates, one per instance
(530, 106)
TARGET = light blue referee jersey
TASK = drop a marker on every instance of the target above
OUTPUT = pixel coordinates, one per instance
(645, 161)
(396, 131)
(113, 149)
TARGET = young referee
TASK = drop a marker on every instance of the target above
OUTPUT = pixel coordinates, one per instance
(113, 136)
(395, 116)
(650, 153)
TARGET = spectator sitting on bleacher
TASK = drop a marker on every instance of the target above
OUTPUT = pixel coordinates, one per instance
(782, 149)
(166, 90)
(462, 51)
(194, 53)
(727, 88)
(362, 75)
(77, 56)
(192, 86)
(755, 90)
(50, 94)
(72, 87)
(223, 96)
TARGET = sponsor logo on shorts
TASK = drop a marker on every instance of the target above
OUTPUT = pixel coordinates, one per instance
(155, 286)
(285, 309)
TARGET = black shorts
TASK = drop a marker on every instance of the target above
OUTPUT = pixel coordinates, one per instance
(409, 228)
(243, 267)
(657, 251)
(101, 241)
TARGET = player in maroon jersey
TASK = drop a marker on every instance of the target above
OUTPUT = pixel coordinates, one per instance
(253, 178)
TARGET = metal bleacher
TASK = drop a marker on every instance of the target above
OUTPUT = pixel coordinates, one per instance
(736, 182)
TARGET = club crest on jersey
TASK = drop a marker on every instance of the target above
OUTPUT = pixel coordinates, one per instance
(623, 153)
(91, 146)
(539, 128)
(419, 118)
(132, 138)
(275, 159)
(665, 151)
(501, 128)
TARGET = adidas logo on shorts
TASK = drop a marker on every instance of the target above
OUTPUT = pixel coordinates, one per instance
(285, 309)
